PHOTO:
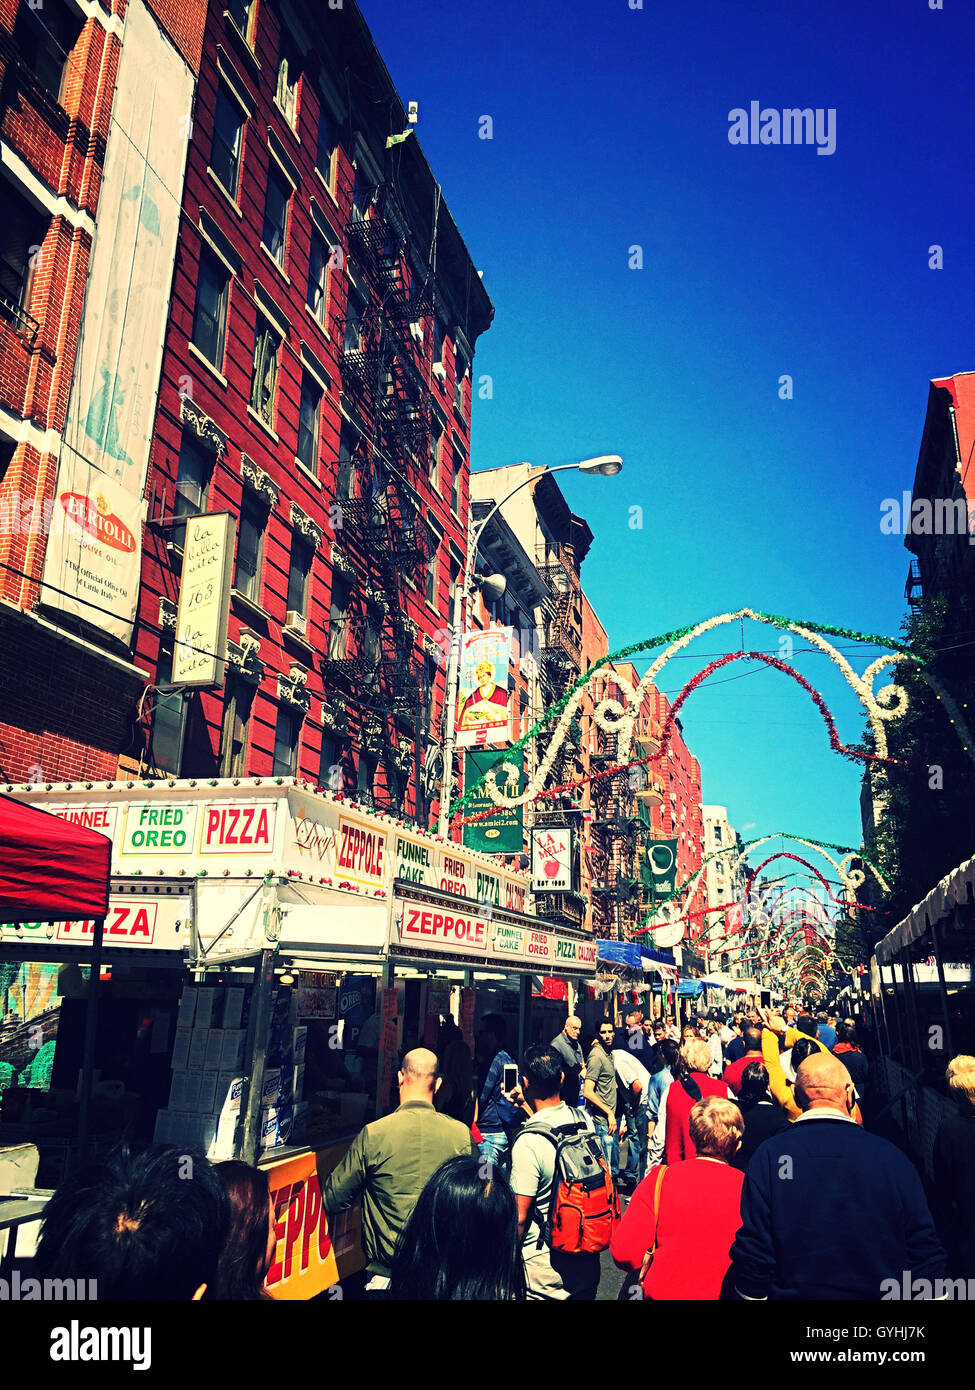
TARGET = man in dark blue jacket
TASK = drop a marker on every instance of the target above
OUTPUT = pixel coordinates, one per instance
(829, 1211)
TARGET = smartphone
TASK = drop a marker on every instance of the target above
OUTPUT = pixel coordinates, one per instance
(510, 1078)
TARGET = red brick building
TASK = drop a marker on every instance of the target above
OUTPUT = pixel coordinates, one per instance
(65, 701)
(316, 384)
(679, 815)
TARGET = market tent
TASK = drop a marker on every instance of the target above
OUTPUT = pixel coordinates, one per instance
(954, 890)
(619, 953)
(50, 868)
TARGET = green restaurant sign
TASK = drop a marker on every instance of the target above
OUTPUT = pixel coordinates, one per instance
(502, 832)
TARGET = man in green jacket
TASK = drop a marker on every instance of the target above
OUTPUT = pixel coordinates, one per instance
(391, 1161)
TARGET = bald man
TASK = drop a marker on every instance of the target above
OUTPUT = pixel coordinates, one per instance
(390, 1162)
(829, 1211)
(569, 1049)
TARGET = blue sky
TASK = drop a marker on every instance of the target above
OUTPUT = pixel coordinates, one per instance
(611, 130)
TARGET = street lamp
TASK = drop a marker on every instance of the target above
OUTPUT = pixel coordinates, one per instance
(492, 586)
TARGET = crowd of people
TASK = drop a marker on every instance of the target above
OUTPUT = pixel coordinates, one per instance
(727, 1159)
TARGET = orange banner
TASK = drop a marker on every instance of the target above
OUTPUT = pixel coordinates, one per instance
(311, 1254)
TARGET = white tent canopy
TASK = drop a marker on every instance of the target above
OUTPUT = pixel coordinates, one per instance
(954, 889)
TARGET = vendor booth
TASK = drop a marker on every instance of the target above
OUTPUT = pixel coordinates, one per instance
(269, 952)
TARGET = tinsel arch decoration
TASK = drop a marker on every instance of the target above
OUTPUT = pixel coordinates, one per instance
(881, 706)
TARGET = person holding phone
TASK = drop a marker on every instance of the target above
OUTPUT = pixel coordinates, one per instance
(496, 1115)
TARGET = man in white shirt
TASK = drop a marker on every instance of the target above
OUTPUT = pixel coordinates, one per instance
(634, 1082)
(550, 1274)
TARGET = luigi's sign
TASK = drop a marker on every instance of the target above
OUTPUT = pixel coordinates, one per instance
(502, 831)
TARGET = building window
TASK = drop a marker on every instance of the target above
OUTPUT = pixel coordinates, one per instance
(717, 834)
(362, 195)
(46, 35)
(354, 315)
(192, 479)
(286, 732)
(439, 338)
(368, 770)
(299, 570)
(429, 692)
(433, 565)
(463, 368)
(242, 14)
(228, 126)
(250, 545)
(345, 485)
(169, 716)
(21, 238)
(264, 380)
(436, 454)
(275, 234)
(318, 268)
(372, 640)
(338, 619)
(210, 314)
(233, 736)
(458, 470)
(309, 415)
(327, 142)
(330, 773)
(288, 74)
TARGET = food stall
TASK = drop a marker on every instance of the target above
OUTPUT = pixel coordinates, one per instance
(309, 942)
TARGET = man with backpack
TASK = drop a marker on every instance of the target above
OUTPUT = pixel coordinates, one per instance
(567, 1207)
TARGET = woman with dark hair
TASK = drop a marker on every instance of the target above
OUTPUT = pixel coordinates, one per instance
(762, 1116)
(461, 1242)
(455, 1095)
(846, 1049)
(249, 1248)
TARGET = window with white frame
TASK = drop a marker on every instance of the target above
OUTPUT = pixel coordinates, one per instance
(288, 75)
(264, 376)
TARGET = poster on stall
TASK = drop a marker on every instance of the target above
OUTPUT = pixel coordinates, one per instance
(388, 1048)
(483, 716)
(467, 1016)
(501, 832)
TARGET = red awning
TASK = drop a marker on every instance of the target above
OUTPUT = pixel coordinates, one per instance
(50, 868)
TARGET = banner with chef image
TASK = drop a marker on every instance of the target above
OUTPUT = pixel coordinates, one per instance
(483, 716)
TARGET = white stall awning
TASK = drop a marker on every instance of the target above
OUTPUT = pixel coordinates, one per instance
(954, 889)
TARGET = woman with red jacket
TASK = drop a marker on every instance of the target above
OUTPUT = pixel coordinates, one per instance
(691, 1082)
(687, 1214)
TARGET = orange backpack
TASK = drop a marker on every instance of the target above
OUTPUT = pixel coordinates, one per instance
(583, 1206)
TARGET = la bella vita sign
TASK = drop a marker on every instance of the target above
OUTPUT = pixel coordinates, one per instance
(200, 654)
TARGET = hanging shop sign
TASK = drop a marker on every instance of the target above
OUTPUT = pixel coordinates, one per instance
(452, 928)
(503, 831)
(200, 653)
(316, 995)
(659, 869)
(441, 928)
(552, 859)
(483, 716)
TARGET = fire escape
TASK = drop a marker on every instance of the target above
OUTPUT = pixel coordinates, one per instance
(382, 525)
(561, 664)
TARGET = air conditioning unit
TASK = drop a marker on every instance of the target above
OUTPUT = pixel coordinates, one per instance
(295, 622)
(440, 371)
(416, 331)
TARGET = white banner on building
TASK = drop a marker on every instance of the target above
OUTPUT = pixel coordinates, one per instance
(204, 600)
(91, 568)
(112, 406)
(552, 859)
